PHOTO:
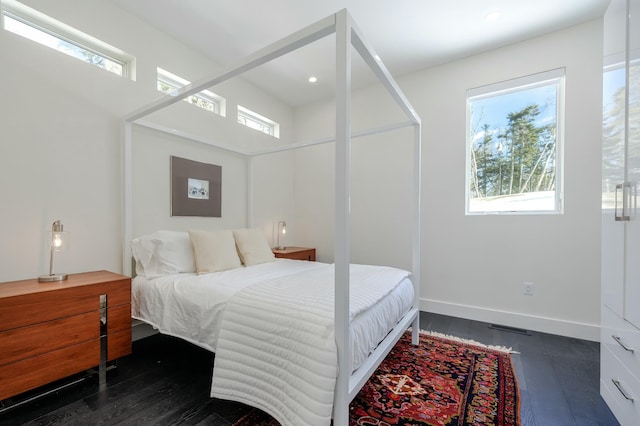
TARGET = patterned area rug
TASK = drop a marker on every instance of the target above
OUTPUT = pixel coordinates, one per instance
(442, 381)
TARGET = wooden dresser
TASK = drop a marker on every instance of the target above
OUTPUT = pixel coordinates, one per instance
(296, 253)
(49, 331)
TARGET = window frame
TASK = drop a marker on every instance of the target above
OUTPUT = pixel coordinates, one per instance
(176, 82)
(49, 26)
(552, 77)
(245, 114)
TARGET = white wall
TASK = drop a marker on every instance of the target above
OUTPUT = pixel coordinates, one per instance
(61, 136)
(151, 200)
(472, 266)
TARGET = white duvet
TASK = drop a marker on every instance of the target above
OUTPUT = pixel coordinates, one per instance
(271, 326)
(189, 306)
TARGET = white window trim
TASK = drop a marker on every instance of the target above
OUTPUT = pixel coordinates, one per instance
(175, 81)
(514, 85)
(254, 116)
(62, 31)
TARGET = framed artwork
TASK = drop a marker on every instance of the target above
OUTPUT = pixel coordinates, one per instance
(196, 188)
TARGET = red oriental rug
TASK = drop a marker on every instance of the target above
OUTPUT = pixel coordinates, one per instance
(442, 381)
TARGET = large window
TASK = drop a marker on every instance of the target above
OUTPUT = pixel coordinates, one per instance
(258, 122)
(33, 25)
(168, 83)
(514, 145)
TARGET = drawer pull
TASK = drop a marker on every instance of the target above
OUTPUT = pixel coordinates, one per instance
(625, 347)
(624, 394)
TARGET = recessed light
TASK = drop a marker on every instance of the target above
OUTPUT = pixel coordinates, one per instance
(313, 79)
(493, 16)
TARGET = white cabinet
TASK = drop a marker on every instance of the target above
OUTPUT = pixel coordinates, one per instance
(632, 232)
(620, 335)
(613, 155)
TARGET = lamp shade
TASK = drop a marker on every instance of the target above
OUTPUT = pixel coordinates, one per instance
(58, 240)
(282, 230)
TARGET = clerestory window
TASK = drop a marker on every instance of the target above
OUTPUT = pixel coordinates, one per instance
(36, 26)
(168, 83)
(258, 122)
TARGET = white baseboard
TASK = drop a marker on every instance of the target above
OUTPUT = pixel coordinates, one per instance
(512, 319)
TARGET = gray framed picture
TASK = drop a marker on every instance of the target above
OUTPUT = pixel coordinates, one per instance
(196, 188)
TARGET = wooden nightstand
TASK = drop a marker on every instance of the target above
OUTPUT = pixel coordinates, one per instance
(49, 331)
(296, 253)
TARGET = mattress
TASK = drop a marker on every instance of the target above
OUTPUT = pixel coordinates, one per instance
(190, 306)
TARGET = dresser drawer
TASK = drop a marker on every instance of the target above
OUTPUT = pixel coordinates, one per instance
(50, 301)
(626, 409)
(118, 318)
(616, 335)
(118, 331)
(296, 253)
(32, 372)
(26, 342)
(119, 344)
(118, 292)
(46, 306)
(303, 255)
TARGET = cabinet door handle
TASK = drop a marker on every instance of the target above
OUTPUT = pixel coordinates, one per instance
(622, 391)
(621, 343)
(623, 216)
(631, 199)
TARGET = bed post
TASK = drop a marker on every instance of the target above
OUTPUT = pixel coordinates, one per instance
(416, 257)
(250, 187)
(369, 56)
(127, 191)
(342, 217)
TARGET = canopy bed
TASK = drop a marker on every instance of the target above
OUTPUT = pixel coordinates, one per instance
(348, 380)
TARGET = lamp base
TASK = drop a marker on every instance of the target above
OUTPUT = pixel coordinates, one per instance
(52, 278)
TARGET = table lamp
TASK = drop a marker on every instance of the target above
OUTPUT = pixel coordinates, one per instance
(282, 230)
(59, 241)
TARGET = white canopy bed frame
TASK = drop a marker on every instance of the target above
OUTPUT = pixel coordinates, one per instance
(347, 35)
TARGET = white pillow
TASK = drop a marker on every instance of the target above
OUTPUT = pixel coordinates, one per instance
(214, 251)
(253, 247)
(163, 253)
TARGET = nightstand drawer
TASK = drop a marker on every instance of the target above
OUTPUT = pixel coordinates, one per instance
(27, 374)
(119, 344)
(118, 292)
(46, 306)
(27, 342)
(296, 253)
(51, 302)
(118, 331)
(118, 318)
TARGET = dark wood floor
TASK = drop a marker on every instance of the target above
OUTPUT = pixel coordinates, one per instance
(166, 382)
(558, 377)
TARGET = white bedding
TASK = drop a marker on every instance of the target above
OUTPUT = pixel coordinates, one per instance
(191, 307)
(277, 349)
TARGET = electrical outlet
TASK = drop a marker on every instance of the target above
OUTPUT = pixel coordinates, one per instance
(528, 289)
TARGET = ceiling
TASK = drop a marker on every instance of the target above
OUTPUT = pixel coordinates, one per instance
(408, 35)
